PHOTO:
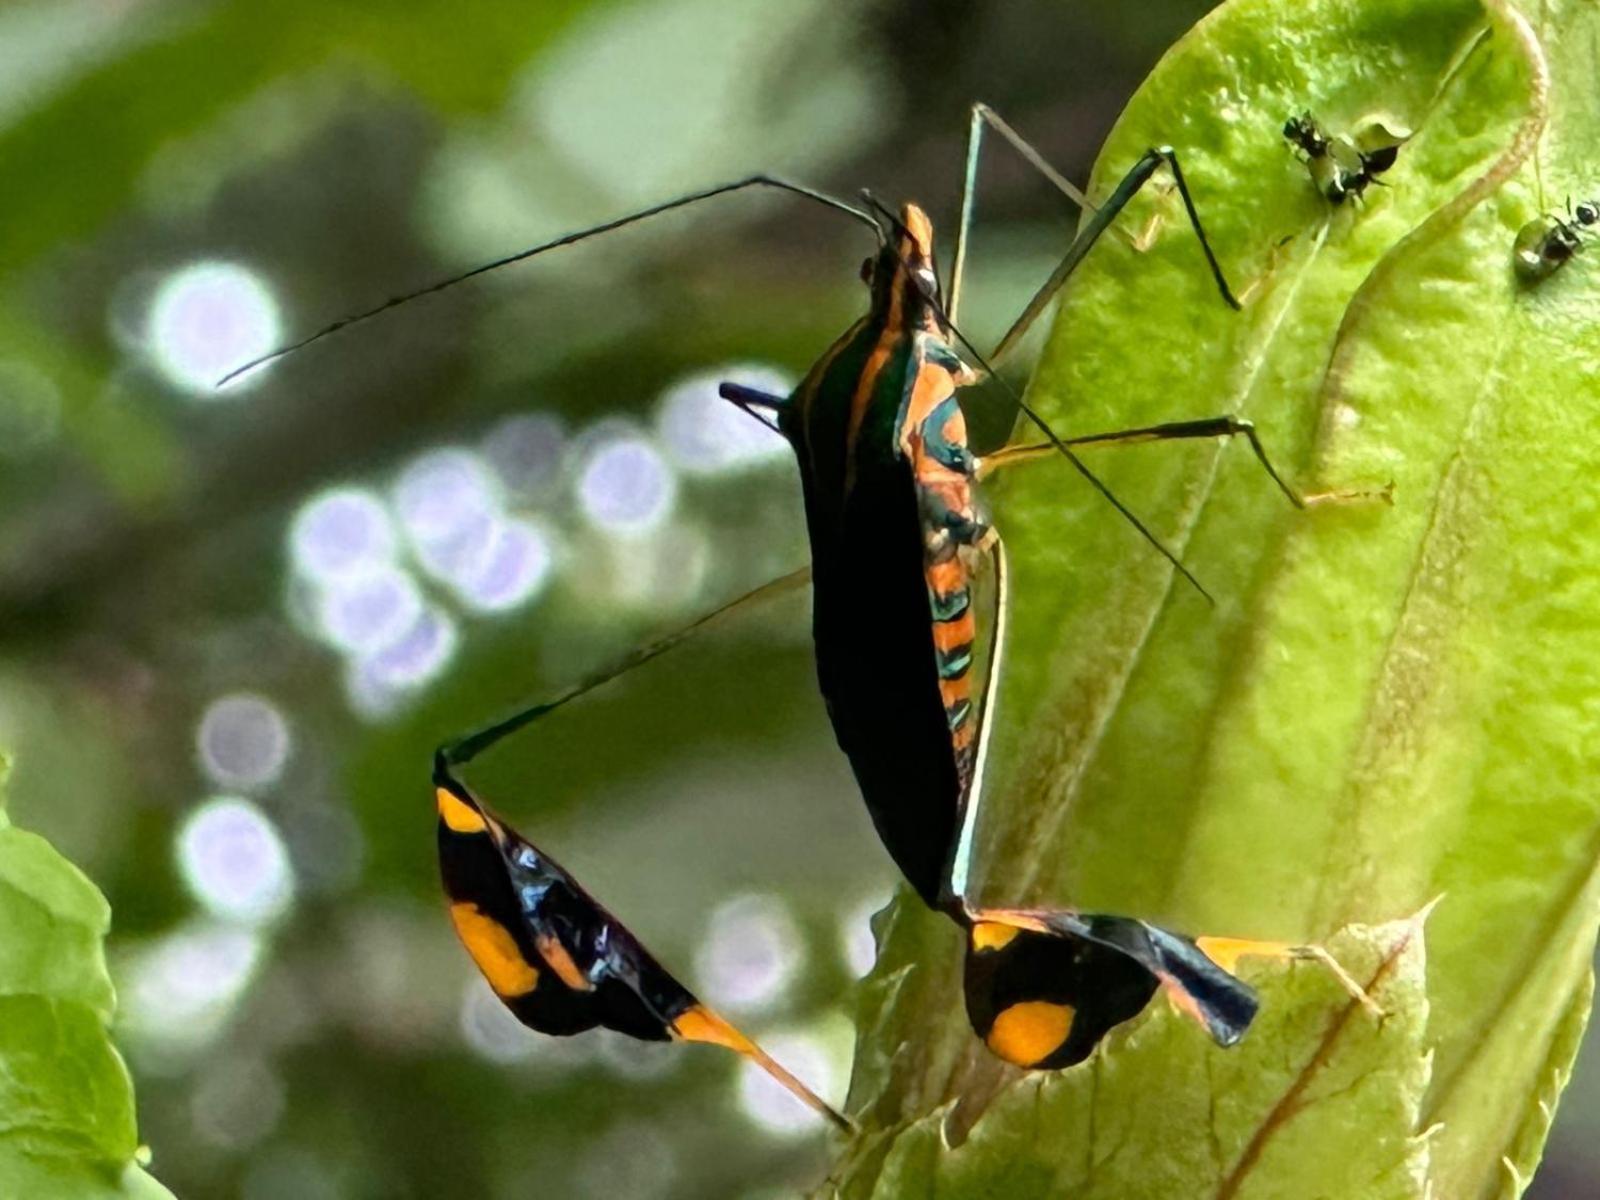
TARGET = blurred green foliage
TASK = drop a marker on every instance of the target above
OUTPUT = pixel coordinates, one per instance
(65, 1092)
(342, 153)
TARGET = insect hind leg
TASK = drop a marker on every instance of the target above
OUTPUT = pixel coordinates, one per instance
(1226, 953)
(1102, 969)
(458, 753)
(984, 116)
(701, 1024)
(1045, 986)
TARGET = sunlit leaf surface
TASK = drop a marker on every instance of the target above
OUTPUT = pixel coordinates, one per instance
(1387, 705)
(66, 1102)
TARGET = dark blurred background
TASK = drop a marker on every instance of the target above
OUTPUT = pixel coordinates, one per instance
(234, 623)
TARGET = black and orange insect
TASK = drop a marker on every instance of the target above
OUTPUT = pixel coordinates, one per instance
(896, 532)
(889, 484)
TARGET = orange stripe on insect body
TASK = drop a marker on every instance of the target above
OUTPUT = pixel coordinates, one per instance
(950, 636)
(954, 691)
(921, 230)
(889, 341)
(947, 576)
(559, 960)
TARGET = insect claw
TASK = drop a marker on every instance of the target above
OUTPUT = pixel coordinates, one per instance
(1345, 979)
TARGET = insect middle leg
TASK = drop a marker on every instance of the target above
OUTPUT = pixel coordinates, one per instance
(1205, 427)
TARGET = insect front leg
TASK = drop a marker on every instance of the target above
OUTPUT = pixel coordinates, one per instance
(985, 117)
(1138, 175)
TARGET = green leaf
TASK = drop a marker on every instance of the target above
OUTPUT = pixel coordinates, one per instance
(1387, 705)
(66, 1102)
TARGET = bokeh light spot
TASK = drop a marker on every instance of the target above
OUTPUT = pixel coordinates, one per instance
(513, 571)
(465, 554)
(290, 1173)
(667, 573)
(206, 319)
(857, 943)
(378, 684)
(419, 655)
(636, 1160)
(751, 950)
(526, 451)
(234, 862)
(366, 613)
(30, 409)
(705, 435)
(442, 493)
(626, 487)
(325, 844)
(490, 1030)
(370, 696)
(243, 741)
(340, 533)
(630, 1058)
(182, 988)
(236, 1102)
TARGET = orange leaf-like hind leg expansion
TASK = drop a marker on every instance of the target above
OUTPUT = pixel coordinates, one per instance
(700, 1024)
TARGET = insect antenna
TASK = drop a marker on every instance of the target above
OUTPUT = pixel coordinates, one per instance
(565, 239)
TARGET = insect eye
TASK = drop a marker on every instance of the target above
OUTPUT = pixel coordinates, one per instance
(1586, 214)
